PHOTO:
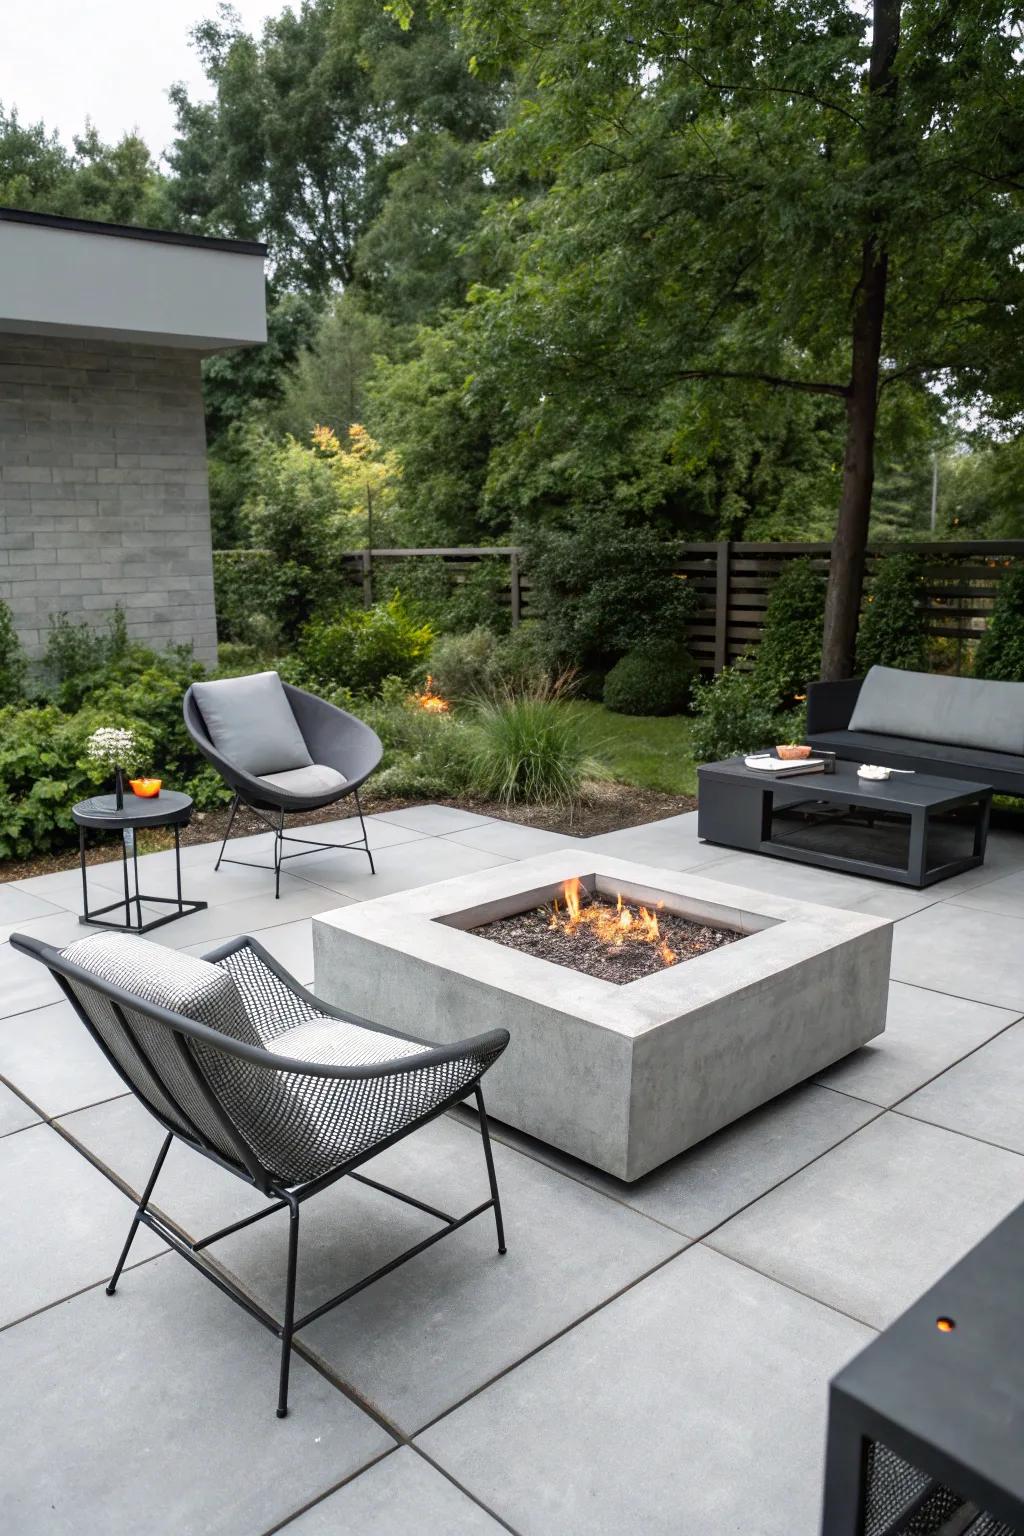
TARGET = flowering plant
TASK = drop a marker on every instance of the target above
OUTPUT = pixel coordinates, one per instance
(113, 747)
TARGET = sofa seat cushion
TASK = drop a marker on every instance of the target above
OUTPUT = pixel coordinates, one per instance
(1003, 770)
(312, 782)
(251, 723)
(956, 711)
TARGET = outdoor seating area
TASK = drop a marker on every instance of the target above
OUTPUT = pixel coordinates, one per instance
(511, 769)
(612, 1368)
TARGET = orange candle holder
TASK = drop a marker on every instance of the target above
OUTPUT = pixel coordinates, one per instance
(146, 789)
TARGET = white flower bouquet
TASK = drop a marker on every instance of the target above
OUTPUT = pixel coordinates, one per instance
(118, 749)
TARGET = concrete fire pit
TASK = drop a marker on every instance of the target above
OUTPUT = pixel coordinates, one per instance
(623, 1077)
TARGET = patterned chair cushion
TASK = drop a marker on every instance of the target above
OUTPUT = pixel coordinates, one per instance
(180, 983)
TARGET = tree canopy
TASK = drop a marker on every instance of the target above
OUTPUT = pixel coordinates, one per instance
(704, 271)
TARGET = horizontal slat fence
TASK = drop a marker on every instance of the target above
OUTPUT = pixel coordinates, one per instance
(734, 581)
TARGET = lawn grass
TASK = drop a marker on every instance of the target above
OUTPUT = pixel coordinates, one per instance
(651, 751)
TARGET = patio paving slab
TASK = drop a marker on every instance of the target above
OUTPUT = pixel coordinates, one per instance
(63, 888)
(17, 907)
(51, 1058)
(925, 1032)
(424, 1337)
(24, 983)
(64, 1224)
(826, 887)
(250, 915)
(15, 1114)
(695, 1402)
(512, 840)
(399, 1496)
(671, 843)
(154, 1411)
(962, 951)
(399, 869)
(434, 820)
(712, 1181)
(981, 1096)
(871, 1226)
(229, 884)
(1004, 895)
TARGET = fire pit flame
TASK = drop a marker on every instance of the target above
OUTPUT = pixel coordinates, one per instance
(614, 926)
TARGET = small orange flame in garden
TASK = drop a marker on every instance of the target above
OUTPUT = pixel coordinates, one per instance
(616, 926)
(432, 702)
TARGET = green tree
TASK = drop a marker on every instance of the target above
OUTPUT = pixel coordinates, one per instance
(308, 121)
(807, 196)
(115, 183)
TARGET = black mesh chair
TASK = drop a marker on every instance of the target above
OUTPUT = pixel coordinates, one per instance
(337, 754)
(249, 1069)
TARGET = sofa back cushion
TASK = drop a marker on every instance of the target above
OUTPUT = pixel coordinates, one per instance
(961, 711)
(251, 723)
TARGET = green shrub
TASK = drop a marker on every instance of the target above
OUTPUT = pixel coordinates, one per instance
(12, 660)
(789, 655)
(653, 680)
(528, 748)
(1000, 651)
(78, 658)
(602, 588)
(522, 658)
(262, 597)
(423, 582)
(734, 715)
(892, 632)
(464, 665)
(365, 645)
(480, 598)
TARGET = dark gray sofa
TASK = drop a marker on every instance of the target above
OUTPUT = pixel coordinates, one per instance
(954, 727)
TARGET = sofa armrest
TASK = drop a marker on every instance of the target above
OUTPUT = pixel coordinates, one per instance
(830, 705)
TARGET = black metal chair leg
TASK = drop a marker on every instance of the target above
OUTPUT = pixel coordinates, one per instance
(278, 856)
(366, 840)
(288, 1326)
(491, 1176)
(227, 834)
(146, 1193)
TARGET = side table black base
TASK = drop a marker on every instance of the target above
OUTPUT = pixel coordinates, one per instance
(101, 813)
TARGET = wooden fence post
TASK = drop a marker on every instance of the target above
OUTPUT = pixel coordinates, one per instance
(367, 579)
(721, 605)
(515, 588)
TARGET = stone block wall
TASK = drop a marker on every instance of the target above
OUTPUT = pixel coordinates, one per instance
(103, 489)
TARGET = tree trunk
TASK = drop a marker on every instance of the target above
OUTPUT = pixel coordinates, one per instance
(846, 570)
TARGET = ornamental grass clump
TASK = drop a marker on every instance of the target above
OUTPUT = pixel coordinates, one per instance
(528, 749)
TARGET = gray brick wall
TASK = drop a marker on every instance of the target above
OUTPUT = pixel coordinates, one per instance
(103, 491)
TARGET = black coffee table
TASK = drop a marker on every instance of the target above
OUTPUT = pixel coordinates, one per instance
(913, 829)
(168, 809)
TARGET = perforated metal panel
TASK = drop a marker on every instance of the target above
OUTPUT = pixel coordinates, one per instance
(901, 1500)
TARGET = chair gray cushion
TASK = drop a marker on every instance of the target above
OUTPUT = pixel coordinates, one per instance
(309, 782)
(155, 974)
(962, 711)
(338, 1043)
(251, 723)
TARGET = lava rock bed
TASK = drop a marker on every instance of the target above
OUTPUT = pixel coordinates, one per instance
(582, 949)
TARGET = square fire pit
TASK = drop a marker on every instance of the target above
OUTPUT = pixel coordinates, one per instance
(622, 1076)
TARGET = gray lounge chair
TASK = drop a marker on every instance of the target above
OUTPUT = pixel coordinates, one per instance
(243, 1065)
(283, 752)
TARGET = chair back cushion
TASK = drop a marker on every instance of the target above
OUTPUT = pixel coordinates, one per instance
(149, 1053)
(959, 711)
(251, 723)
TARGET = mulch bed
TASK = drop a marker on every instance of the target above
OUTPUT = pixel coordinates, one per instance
(608, 807)
(584, 950)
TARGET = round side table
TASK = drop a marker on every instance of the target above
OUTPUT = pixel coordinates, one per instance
(167, 809)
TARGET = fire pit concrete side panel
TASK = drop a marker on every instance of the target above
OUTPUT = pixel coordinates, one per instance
(623, 1077)
(744, 1051)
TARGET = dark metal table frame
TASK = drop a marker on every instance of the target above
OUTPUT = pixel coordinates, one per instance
(169, 809)
(736, 806)
(929, 1418)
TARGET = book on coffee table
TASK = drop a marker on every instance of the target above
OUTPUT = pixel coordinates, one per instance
(780, 767)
